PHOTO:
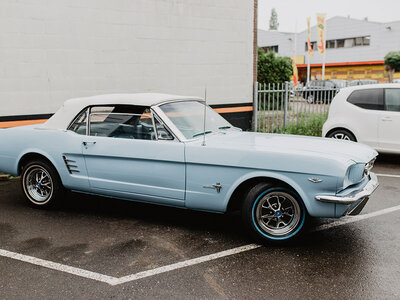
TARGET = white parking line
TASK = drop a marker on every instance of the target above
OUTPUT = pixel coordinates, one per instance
(352, 219)
(59, 267)
(187, 263)
(388, 175)
(115, 281)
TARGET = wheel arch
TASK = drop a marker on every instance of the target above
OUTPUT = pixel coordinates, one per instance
(341, 128)
(33, 155)
(240, 189)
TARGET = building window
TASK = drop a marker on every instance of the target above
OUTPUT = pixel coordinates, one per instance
(348, 43)
(271, 48)
(313, 46)
(339, 43)
(331, 44)
(366, 40)
(344, 43)
(359, 41)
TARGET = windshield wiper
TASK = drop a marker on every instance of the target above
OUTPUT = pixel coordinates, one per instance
(201, 133)
(224, 127)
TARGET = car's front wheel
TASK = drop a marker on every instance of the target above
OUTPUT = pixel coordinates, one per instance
(41, 183)
(341, 134)
(273, 214)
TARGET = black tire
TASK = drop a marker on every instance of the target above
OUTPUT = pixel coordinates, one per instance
(342, 134)
(284, 206)
(41, 184)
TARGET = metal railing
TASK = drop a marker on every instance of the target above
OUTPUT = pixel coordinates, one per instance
(278, 104)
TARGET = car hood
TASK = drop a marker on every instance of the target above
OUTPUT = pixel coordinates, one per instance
(301, 145)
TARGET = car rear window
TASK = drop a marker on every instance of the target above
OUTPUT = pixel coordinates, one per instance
(368, 99)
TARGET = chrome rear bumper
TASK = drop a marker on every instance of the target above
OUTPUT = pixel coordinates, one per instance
(354, 197)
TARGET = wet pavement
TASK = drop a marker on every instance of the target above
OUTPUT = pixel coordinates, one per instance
(359, 260)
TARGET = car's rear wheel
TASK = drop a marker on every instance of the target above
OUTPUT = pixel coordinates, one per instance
(341, 134)
(41, 184)
(273, 214)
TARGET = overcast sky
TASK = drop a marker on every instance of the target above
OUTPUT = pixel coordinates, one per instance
(290, 10)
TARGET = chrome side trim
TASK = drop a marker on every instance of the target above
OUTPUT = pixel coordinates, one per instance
(216, 186)
(315, 179)
(349, 199)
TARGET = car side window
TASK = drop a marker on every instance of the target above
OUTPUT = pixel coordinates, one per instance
(392, 99)
(367, 98)
(79, 124)
(162, 132)
(121, 122)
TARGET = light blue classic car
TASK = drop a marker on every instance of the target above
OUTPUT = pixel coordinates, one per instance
(177, 151)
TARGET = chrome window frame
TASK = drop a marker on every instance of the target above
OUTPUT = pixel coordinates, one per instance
(172, 126)
(87, 111)
(155, 116)
(123, 114)
(155, 112)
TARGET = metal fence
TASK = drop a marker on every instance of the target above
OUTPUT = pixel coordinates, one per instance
(277, 105)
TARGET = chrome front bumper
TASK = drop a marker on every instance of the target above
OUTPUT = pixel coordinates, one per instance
(354, 197)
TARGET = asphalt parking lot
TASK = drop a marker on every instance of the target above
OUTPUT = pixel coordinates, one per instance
(98, 248)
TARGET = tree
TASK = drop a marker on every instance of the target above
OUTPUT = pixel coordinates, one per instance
(272, 68)
(273, 20)
(392, 63)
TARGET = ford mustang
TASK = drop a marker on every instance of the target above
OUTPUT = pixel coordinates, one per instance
(177, 151)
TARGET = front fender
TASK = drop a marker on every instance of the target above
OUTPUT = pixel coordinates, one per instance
(306, 190)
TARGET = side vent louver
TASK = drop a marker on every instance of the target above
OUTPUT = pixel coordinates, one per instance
(71, 165)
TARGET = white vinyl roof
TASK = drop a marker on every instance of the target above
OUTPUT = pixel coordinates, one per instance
(64, 116)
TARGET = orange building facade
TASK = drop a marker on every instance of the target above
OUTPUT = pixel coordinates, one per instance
(374, 70)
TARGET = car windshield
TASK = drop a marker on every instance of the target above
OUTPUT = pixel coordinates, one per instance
(188, 117)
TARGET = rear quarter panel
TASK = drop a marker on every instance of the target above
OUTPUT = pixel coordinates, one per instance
(52, 144)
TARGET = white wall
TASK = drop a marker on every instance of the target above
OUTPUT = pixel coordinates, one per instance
(53, 50)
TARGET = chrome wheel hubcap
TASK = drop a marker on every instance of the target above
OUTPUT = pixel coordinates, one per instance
(277, 213)
(341, 136)
(38, 185)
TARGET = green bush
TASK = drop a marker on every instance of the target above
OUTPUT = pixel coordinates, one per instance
(311, 126)
(272, 68)
(392, 63)
(392, 59)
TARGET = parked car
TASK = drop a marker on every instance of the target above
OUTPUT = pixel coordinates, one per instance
(161, 149)
(362, 82)
(369, 114)
(320, 91)
(340, 83)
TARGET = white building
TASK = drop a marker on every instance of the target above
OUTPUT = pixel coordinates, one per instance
(355, 49)
(51, 51)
